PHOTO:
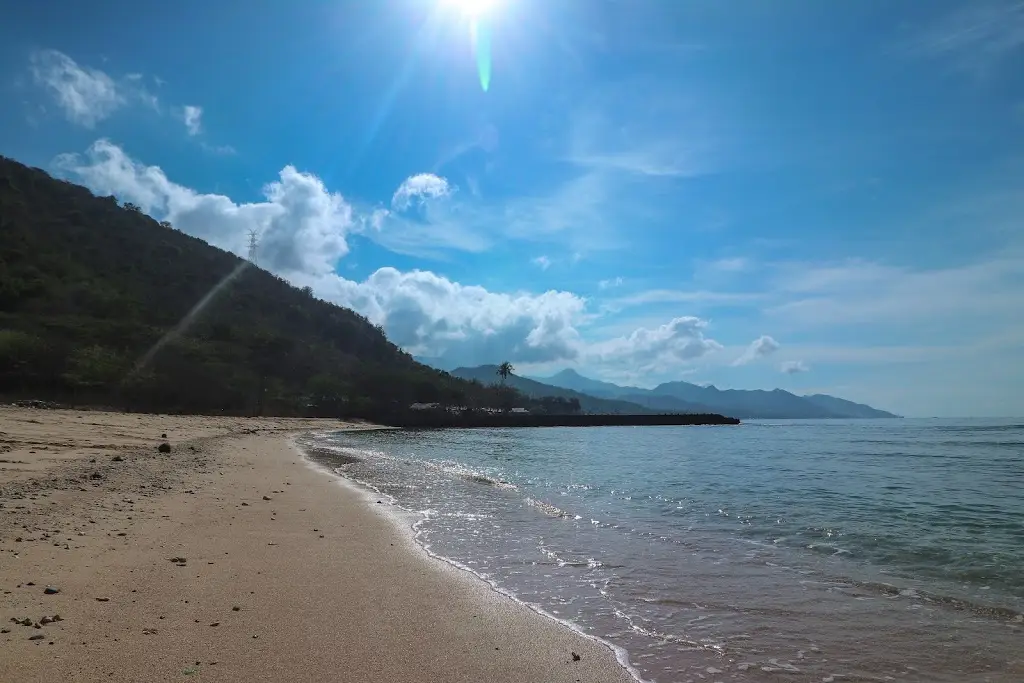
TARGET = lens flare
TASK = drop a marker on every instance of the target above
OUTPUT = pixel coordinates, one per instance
(482, 51)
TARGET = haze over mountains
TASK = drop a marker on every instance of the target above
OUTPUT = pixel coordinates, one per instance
(682, 397)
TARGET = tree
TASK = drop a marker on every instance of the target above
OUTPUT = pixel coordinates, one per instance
(128, 206)
(94, 366)
(79, 308)
(504, 370)
(508, 397)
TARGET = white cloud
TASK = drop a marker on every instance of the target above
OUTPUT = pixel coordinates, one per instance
(542, 262)
(759, 348)
(419, 187)
(792, 367)
(639, 128)
(430, 315)
(193, 118)
(730, 265)
(864, 292)
(658, 349)
(655, 296)
(610, 284)
(86, 95)
(302, 226)
(221, 150)
(303, 229)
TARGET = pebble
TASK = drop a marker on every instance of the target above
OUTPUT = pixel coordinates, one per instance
(51, 590)
(102, 599)
(38, 636)
(266, 497)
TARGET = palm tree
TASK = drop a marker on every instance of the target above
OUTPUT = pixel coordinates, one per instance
(505, 369)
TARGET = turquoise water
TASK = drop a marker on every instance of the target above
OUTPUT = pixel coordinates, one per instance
(793, 551)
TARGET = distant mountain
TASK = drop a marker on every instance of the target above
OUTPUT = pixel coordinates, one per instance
(847, 408)
(741, 403)
(570, 379)
(758, 403)
(488, 374)
(666, 404)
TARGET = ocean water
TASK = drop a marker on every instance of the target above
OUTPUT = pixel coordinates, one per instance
(828, 551)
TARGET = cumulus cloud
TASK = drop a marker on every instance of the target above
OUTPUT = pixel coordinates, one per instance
(681, 340)
(302, 226)
(419, 187)
(792, 367)
(430, 315)
(193, 118)
(542, 262)
(86, 95)
(759, 348)
(303, 231)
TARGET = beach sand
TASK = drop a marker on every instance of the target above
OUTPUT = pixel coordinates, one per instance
(232, 559)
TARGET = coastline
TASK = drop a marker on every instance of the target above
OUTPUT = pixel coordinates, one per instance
(286, 573)
(406, 523)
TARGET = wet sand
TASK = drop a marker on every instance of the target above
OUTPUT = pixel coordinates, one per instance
(232, 559)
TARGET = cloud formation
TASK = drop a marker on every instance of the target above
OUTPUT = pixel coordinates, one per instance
(302, 226)
(193, 118)
(667, 346)
(304, 230)
(759, 348)
(430, 315)
(86, 95)
(542, 262)
(419, 187)
(792, 367)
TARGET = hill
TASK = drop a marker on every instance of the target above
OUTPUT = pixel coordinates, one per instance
(488, 374)
(570, 379)
(846, 408)
(100, 304)
(741, 403)
(756, 403)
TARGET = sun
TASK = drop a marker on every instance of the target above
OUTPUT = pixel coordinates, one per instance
(473, 9)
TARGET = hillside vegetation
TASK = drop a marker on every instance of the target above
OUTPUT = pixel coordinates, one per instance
(92, 300)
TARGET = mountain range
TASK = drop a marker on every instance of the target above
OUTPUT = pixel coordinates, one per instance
(681, 397)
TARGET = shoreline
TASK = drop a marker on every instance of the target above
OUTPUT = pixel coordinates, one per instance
(406, 523)
(283, 572)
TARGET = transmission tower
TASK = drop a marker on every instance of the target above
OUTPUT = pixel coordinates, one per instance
(254, 243)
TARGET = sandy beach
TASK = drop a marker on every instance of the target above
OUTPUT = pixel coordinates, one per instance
(230, 558)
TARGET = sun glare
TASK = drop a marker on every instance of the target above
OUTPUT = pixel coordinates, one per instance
(472, 8)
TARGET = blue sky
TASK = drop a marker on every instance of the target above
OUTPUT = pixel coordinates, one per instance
(814, 196)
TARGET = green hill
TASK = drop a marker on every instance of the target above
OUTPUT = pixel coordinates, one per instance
(98, 306)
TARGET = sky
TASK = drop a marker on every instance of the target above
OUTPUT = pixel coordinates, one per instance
(816, 196)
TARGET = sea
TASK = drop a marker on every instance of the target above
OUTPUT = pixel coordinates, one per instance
(826, 551)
